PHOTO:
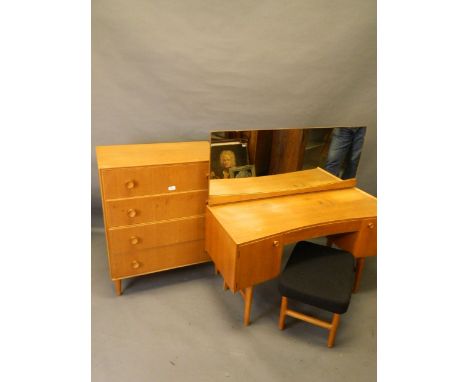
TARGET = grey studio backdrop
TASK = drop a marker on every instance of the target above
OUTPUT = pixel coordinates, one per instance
(168, 71)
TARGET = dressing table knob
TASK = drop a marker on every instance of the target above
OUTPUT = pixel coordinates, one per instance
(275, 243)
(130, 184)
(134, 240)
(371, 225)
(131, 212)
(135, 264)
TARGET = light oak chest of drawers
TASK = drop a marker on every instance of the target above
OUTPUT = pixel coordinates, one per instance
(153, 199)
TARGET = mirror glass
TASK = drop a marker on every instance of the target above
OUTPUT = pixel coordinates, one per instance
(254, 153)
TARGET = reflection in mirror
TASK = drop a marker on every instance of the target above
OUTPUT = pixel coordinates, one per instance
(228, 157)
(240, 154)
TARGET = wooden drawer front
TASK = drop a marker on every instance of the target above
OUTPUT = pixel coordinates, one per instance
(361, 243)
(367, 241)
(157, 259)
(133, 239)
(154, 208)
(139, 181)
(259, 261)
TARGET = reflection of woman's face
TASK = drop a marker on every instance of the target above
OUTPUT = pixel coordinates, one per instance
(226, 161)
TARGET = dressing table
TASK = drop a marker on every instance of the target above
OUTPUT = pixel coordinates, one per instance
(249, 221)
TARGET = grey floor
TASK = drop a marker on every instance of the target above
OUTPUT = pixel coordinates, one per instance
(180, 325)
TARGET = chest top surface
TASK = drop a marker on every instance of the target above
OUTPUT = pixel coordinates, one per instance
(151, 154)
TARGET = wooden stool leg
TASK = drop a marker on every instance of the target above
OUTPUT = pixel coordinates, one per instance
(248, 305)
(282, 317)
(334, 327)
(357, 277)
(225, 286)
(216, 270)
(118, 287)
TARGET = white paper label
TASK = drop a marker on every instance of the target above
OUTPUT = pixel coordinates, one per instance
(171, 188)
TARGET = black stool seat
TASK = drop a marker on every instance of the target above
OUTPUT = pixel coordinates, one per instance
(320, 276)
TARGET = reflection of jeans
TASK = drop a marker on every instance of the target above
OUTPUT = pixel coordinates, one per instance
(345, 149)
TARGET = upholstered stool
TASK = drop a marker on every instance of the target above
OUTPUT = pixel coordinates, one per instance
(320, 276)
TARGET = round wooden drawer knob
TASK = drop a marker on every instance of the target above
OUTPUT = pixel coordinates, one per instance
(131, 213)
(130, 184)
(134, 240)
(371, 225)
(135, 264)
(276, 243)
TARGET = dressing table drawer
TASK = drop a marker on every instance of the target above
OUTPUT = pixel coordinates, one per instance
(259, 261)
(155, 208)
(157, 259)
(149, 180)
(134, 238)
(361, 243)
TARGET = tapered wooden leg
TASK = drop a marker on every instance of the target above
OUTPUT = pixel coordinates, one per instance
(216, 270)
(225, 286)
(248, 305)
(357, 277)
(282, 317)
(118, 287)
(334, 327)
